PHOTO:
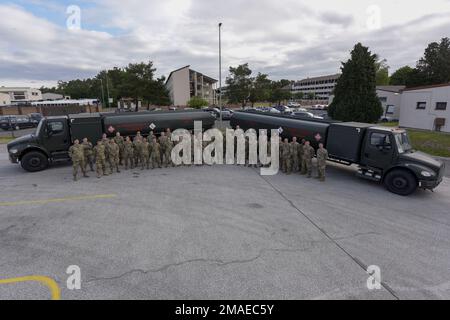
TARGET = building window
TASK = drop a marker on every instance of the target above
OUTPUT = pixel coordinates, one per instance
(421, 105)
(390, 109)
(441, 105)
(383, 99)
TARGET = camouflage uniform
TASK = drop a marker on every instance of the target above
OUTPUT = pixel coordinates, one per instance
(121, 143)
(308, 154)
(144, 155)
(162, 144)
(76, 153)
(100, 159)
(105, 142)
(88, 155)
(286, 166)
(155, 155)
(295, 146)
(113, 157)
(128, 154)
(322, 156)
(137, 150)
(168, 151)
(300, 159)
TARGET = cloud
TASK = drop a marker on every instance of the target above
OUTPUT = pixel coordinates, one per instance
(286, 38)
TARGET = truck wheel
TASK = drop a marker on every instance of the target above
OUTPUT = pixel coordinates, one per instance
(34, 161)
(400, 182)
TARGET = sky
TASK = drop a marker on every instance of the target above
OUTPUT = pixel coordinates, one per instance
(43, 41)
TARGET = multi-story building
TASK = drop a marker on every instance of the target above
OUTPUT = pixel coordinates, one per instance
(21, 95)
(5, 99)
(321, 87)
(426, 107)
(185, 83)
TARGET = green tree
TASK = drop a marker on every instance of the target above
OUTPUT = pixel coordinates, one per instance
(197, 102)
(281, 91)
(400, 76)
(261, 88)
(382, 72)
(299, 95)
(435, 64)
(355, 97)
(239, 84)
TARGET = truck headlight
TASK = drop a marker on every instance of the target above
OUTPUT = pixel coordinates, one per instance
(427, 174)
(13, 151)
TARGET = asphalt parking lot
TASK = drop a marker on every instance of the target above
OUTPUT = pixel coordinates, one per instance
(221, 232)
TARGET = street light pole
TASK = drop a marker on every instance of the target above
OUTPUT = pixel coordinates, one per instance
(220, 74)
(103, 94)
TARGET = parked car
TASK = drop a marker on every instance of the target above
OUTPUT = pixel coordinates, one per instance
(214, 111)
(35, 118)
(283, 109)
(305, 114)
(274, 110)
(226, 114)
(15, 122)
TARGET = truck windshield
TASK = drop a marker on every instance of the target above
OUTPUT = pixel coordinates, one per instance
(402, 141)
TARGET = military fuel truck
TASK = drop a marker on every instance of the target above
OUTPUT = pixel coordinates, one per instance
(54, 135)
(383, 154)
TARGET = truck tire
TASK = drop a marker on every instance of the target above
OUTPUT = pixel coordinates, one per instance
(400, 182)
(34, 161)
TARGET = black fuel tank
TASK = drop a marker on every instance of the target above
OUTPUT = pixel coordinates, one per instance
(313, 130)
(130, 123)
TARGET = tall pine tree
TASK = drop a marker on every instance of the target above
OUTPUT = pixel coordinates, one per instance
(355, 97)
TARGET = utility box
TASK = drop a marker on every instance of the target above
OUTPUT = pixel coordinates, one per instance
(345, 140)
(86, 126)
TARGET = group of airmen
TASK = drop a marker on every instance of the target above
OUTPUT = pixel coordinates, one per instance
(297, 157)
(151, 152)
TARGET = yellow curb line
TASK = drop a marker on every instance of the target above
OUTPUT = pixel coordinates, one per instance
(44, 201)
(49, 282)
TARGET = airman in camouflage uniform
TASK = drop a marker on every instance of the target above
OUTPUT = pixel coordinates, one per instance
(88, 154)
(162, 145)
(136, 151)
(168, 149)
(113, 156)
(322, 156)
(100, 159)
(155, 154)
(286, 164)
(105, 142)
(128, 153)
(295, 146)
(144, 154)
(76, 152)
(308, 154)
(120, 142)
(300, 157)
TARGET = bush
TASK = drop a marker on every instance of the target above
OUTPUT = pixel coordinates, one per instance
(197, 103)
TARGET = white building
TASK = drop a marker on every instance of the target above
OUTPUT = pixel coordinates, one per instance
(322, 87)
(21, 95)
(49, 96)
(426, 107)
(390, 98)
(5, 100)
(185, 83)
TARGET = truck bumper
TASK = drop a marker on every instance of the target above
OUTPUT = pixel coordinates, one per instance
(13, 158)
(426, 184)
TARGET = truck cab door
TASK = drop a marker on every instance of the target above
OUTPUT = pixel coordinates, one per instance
(56, 139)
(378, 149)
